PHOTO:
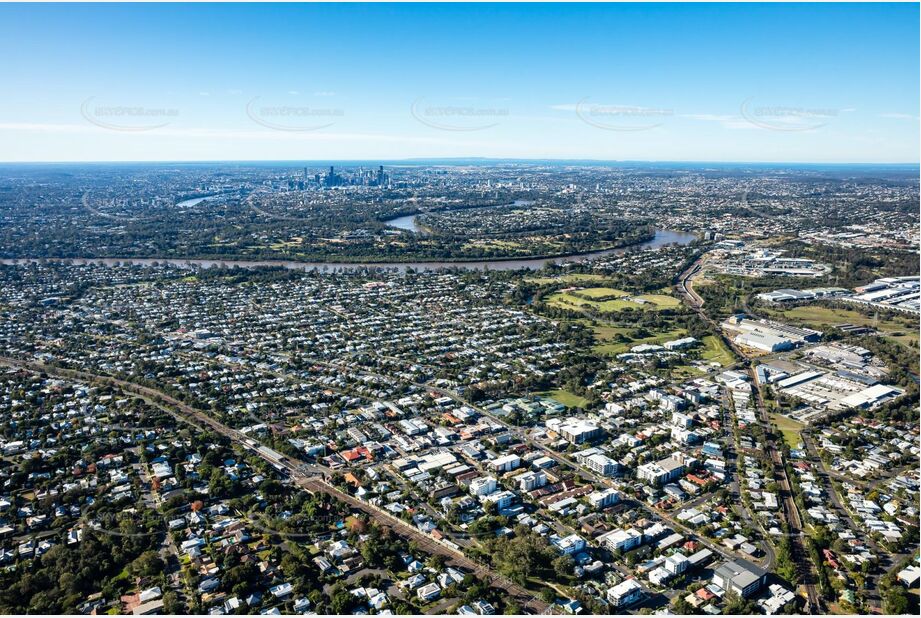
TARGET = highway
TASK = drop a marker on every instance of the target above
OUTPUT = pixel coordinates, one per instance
(685, 284)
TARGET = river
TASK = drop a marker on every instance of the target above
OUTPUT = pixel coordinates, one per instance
(408, 222)
(660, 239)
(196, 200)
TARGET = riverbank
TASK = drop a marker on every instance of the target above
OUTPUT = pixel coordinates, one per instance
(661, 238)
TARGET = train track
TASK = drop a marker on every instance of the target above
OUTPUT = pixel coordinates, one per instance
(310, 483)
(805, 568)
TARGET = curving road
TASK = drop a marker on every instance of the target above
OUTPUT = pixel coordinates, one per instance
(313, 483)
(684, 285)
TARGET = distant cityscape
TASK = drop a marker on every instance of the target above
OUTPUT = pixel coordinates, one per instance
(479, 388)
(428, 309)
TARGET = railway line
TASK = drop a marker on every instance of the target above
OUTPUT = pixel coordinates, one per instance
(297, 472)
(804, 566)
(313, 478)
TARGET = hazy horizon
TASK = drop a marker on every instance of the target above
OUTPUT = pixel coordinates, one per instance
(748, 83)
(475, 161)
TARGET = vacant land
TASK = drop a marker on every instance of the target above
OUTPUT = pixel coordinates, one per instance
(716, 351)
(790, 429)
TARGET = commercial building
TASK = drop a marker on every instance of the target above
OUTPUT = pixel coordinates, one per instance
(575, 430)
(739, 576)
(872, 397)
(482, 486)
(679, 344)
(676, 564)
(602, 464)
(767, 335)
(623, 540)
(604, 498)
(501, 499)
(568, 545)
(529, 481)
(790, 296)
(766, 342)
(505, 463)
(662, 471)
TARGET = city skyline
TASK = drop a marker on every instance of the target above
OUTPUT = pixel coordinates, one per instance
(667, 83)
(460, 309)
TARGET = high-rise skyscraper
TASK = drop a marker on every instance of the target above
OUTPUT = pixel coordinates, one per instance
(333, 179)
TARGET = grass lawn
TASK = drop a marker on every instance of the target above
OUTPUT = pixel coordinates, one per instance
(568, 399)
(610, 348)
(607, 332)
(716, 351)
(571, 278)
(285, 244)
(582, 299)
(789, 428)
(600, 292)
(662, 301)
(496, 244)
(686, 371)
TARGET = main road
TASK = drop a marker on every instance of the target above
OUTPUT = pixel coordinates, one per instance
(297, 472)
(685, 286)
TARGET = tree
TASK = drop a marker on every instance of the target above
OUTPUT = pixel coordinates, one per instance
(147, 564)
(895, 601)
(341, 600)
(681, 606)
(563, 567)
(735, 604)
(241, 578)
(172, 604)
(436, 561)
(786, 568)
(525, 555)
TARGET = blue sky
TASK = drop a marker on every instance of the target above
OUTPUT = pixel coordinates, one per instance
(660, 82)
